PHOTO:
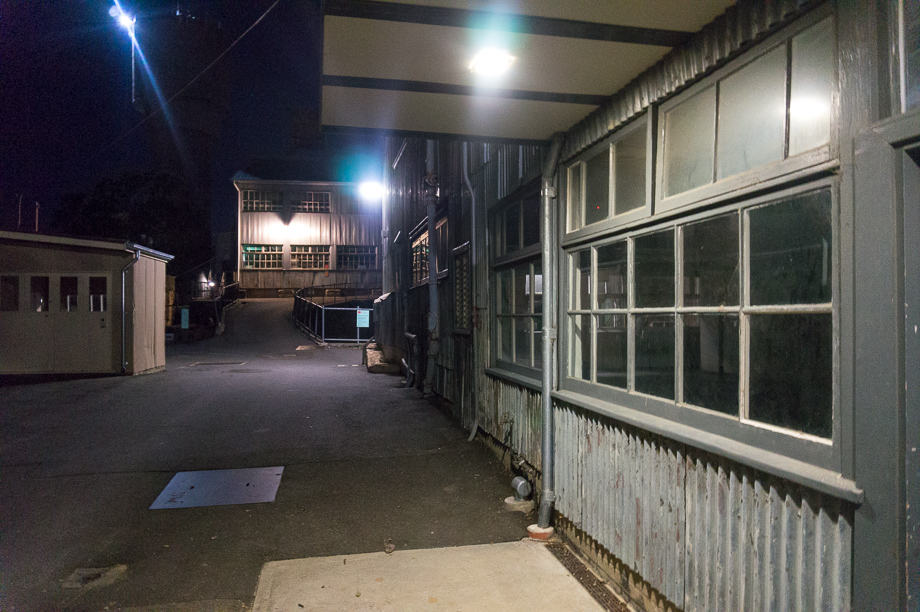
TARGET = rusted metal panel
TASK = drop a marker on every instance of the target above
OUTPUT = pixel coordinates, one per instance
(755, 542)
(706, 533)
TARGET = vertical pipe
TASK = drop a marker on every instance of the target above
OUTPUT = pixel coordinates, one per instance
(474, 261)
(431, 198)
(124, 331)
(548, 196)
(323, 310)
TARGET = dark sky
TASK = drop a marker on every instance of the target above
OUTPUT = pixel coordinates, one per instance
(65, 78)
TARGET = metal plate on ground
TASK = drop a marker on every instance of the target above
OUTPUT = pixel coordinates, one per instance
(220, 488)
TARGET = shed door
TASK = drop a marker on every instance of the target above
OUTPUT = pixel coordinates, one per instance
(82, 322)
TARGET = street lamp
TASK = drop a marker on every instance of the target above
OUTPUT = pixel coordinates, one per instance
(127, 22)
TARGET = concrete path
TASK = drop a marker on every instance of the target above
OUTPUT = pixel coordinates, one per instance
(365, 462)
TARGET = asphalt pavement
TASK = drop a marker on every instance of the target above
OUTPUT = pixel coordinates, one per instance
(367, 464)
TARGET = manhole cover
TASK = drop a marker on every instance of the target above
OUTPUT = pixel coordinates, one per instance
(220, 488)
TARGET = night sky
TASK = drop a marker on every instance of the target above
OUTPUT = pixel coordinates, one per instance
(65, 78)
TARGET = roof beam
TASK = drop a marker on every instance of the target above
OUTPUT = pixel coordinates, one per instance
(460, 90)
(521, 24)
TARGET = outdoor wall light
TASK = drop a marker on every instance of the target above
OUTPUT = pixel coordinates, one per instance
(123, 19)
(370, 191)
(491, 62)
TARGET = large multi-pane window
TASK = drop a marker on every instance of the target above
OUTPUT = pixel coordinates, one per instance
(255, 200)
(729, 312)
(262, 256)
(311, 202)
(351, 257)
(419, 253)
(310, 256)
(519, 317)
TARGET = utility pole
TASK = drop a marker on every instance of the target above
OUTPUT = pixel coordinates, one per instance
(36, 216)
(19, 220)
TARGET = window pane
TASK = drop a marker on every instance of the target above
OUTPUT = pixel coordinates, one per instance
(611, 350)
(752, 114)
(791, 251)
(537, 287)
(39, 293)
(573, 185)
(812, 87)
(655, 355)
(690, 133)
(791, 364)
(581, 280)
(711, 362)
(505, 338)
(912, 54)
(711, 262)
(629, 172)
(9, 293)
(531, 221)
(580, 355)
(68, 293)
(522, 341)
(655, 269)
(597, 187)
(611, 276)
(505, 291)
(512, 228)
(522, 288)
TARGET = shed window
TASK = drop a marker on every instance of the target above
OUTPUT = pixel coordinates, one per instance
(518, 314)
(38, 286)
(68, 293)
(9, 293)
(312, 202)
(262, 256)
(98, 294)
(356, 257)
(691, 313)
(261, 200)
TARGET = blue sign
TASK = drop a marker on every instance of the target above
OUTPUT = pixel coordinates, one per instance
(364, 317)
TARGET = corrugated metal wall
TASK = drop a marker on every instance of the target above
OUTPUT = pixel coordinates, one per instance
(705, 532)
(512, 414)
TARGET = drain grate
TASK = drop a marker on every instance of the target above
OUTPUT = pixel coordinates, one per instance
(602, 594)
(220, 488)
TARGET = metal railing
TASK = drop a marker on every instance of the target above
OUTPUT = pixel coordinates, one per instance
(334, 323)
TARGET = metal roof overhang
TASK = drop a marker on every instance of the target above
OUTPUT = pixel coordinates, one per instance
(403, 68)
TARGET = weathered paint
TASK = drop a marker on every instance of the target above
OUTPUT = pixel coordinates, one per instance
(511, 414)
(706, 533)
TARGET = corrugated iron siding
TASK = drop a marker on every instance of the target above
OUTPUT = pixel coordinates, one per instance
(705, 532)
(511, 414)
(731, 33)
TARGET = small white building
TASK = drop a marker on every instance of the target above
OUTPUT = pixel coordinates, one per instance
(71, 305)
(296, 234)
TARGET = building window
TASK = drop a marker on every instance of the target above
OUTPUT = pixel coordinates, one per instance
(262, 256)
(312, 202)
(9, 293)
(518, 225)
(39, 292)
(909, 44)
(519, 294)
(770, 109)
(463, 302)
(98, 293)
(349, 257)
(610, 182)
(310, 256)
(419, 254)
(731, 312)
(261, 201)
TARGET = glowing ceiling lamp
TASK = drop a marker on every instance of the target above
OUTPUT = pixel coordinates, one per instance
(491, 62)
(370, 191)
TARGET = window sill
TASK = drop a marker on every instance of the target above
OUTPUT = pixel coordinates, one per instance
(814, 477)
(519, 379)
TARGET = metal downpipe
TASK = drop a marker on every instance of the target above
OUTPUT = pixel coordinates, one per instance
(548, 196)
(474, 382)
(124, 331)
(430, 188)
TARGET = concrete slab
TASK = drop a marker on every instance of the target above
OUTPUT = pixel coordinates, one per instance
(220, 488)
(510, 576)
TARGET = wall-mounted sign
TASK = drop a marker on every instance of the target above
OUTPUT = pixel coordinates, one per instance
(364, 317)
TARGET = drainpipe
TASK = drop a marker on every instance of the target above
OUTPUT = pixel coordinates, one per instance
(474, 261)
(548, 195)
(124, 331)
(430, 189)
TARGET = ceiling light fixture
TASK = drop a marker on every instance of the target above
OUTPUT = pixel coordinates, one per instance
(491, 62)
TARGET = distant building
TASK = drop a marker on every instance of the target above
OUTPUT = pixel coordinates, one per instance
(297, 234)
(70, 305)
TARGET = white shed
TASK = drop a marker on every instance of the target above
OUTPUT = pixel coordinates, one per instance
(70, 305)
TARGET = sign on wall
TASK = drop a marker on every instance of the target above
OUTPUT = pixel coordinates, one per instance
(364, 317)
